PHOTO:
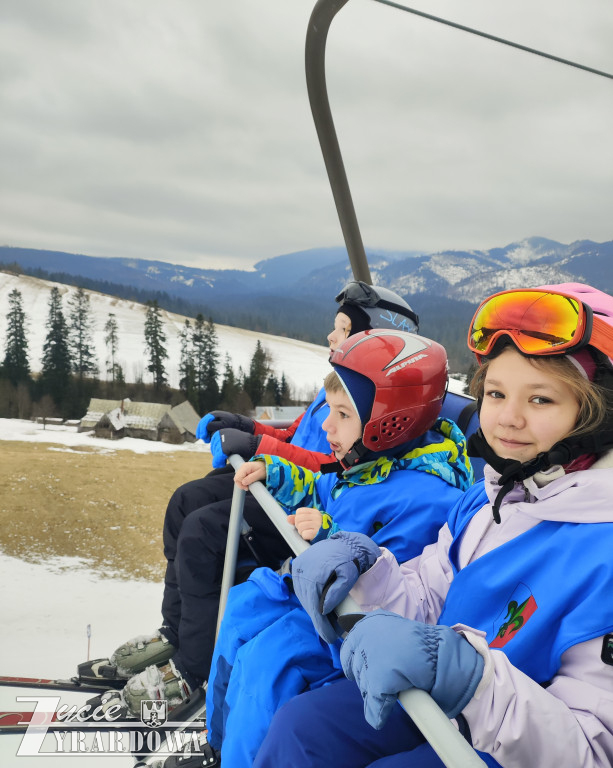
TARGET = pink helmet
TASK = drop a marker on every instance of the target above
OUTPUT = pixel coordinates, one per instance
(601, 305)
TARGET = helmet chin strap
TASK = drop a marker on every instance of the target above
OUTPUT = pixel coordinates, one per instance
(562, 453)
(353, 456)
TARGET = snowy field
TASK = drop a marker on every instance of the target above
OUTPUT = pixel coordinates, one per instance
(47, 608)
(45, 634)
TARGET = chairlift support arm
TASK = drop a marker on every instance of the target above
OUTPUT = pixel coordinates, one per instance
(315, 65)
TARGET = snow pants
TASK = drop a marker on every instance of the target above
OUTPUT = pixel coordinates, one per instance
(267, 652)
(195, 537)
(326, 727)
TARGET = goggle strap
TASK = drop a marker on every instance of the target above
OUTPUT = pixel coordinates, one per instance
(602, 336)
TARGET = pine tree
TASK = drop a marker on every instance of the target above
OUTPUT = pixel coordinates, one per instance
(16, 367)
(230, 387)
(198, 359)
(111, 339)
(57, 360)
(187, 374)
(285, 394)
(80, 335)
(205, 348)
(209, 387)
(155, 339)
(259, 371)
(272, 395)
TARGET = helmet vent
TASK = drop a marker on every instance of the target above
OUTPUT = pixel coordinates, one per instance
(394, 425)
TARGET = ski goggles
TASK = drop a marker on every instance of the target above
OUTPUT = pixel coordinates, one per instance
(538, 322)
(357, 292)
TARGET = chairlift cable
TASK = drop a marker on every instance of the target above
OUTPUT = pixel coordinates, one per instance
(501, 40)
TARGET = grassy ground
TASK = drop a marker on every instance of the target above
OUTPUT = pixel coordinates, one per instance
(107, 508)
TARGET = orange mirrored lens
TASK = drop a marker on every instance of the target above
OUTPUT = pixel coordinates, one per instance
(538, 322)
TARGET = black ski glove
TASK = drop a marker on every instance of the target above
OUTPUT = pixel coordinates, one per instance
(216, 420)
(229, 441)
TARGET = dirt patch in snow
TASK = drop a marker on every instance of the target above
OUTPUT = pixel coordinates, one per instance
(106, 508)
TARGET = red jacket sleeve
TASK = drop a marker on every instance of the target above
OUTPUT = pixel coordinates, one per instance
(275, 442)
(310, 459)
(283, 435)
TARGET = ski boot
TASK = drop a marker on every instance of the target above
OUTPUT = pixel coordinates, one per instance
(152, 684)
(155, 684)
(197, 753)
(108, 706)
(129, 659)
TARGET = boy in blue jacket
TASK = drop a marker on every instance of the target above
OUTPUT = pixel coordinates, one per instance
(385, 396)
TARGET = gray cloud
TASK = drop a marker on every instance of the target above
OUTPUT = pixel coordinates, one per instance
(181, 131)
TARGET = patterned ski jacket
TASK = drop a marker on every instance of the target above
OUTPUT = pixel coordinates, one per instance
(440, 453)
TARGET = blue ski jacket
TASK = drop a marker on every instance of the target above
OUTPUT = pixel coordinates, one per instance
(268, 650)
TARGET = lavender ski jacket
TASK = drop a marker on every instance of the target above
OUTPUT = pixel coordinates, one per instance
(513, 718)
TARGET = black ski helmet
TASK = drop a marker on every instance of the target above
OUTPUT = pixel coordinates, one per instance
(378, 307)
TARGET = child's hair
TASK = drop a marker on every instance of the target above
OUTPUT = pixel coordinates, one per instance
(332, 383)
(592, 399)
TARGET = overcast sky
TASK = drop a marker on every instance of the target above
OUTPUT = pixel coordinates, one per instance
(180, 130)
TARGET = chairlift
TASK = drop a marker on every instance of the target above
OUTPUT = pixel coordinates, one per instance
(438, 730)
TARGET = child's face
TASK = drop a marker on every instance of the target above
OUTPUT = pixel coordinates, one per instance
(525, 410)
(343, 426)
(342, 329)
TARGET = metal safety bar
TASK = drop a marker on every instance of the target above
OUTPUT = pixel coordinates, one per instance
(444, 738)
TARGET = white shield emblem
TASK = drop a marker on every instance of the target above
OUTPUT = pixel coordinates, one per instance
(153, 713)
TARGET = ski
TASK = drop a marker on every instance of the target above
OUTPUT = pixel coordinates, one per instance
(15, 722)
(19, 722)
(69, 684)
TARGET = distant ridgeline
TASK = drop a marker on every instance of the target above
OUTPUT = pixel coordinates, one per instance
(293, 295)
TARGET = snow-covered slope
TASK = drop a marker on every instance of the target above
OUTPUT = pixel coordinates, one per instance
(304, 365)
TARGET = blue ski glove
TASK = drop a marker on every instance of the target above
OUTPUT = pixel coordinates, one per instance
(324, 574)
(386, 654)
(216, 420)
(228, 441)
(201, 430)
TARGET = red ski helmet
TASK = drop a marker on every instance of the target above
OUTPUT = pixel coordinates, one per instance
(408, 374)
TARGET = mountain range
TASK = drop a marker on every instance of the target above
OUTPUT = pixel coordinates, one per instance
(292, 294)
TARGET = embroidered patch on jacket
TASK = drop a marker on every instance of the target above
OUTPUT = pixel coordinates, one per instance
(520, 608)
(607, 649)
